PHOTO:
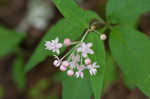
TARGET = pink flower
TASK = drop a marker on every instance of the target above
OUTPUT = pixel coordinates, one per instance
(85, 49)
(70, 72)
(80, 73)
(53, 45)
(67, 42)
(93, 68)
(75, 61)
(87, 61)
(63, 68)
(65, 63)
(103, 37)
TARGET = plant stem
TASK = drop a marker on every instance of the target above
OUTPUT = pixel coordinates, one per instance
(85, 35)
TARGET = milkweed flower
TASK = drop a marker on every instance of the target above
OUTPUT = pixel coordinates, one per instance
(80, 73)
(93, 68)
(74, 61)
(85, 49)
(53, 45)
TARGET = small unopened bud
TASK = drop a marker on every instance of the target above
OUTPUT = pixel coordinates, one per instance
(87, 61)
(70, 72)
(93, 27)
(63, 68)
(67, 42)
(103, 37)
(65, 63)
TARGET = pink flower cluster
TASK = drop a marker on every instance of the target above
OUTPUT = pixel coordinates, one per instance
(77, 59)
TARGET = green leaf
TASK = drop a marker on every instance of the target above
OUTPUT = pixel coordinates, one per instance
(144, 86)
(76, 88)
(18, 73)
(90, 15)
(63, 29)
(130, 49)
(8, 40)
(129, 83)
(99, 57)
(71, 11)
(74, 13)
(110, 73)
(126, 11)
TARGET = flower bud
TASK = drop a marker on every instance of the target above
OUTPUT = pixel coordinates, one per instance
(70, 72)
(65, 63)
(63, 68)
(87, 61)
(103, 37)
(67, 42)
(93, 27)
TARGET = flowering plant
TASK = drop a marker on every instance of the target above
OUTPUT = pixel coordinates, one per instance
(97, 45)
(93, 51)
(76, 55)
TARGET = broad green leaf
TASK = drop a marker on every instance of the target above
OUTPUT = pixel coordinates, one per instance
(144, 86)
(8, 40)
(128, 82)
(71, 11)
(18, 73)
(63, 29)
(130, 49)
(99, 57)
(74, 88)
(90, 15)
(126, 11)
(110, 73)
(74, 13)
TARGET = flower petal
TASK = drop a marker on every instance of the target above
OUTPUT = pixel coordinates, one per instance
(57, 39)
(89, 44)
